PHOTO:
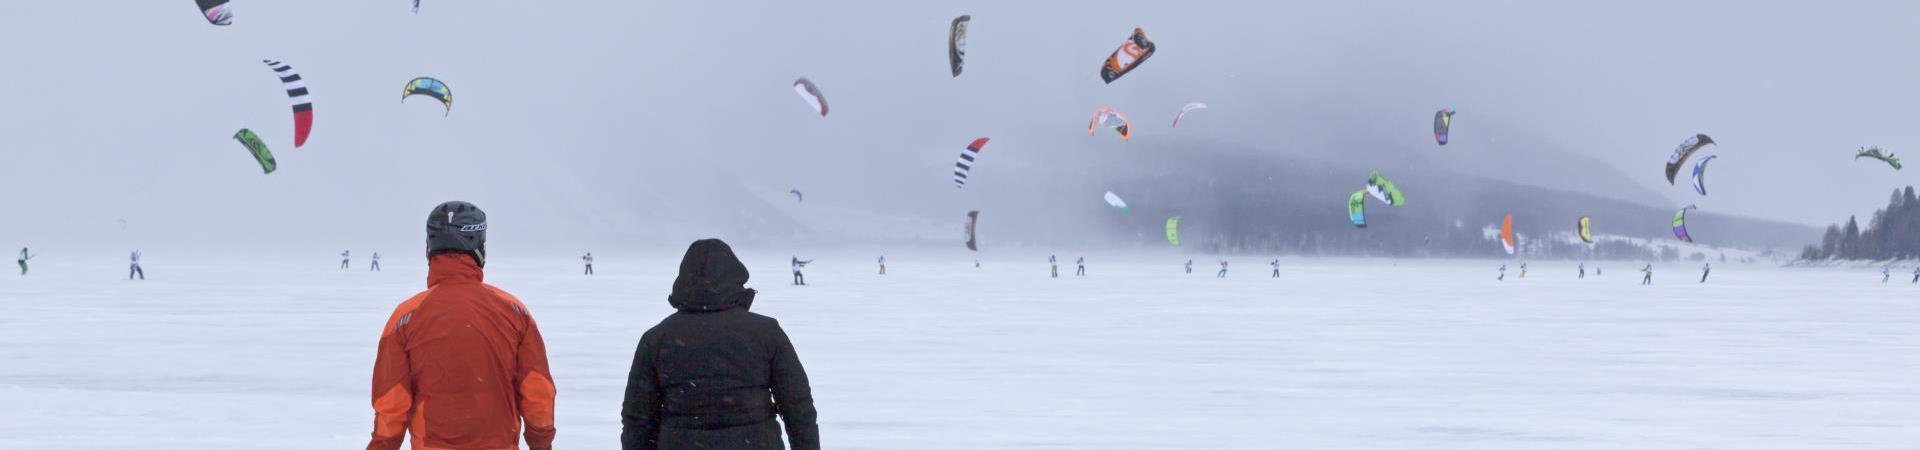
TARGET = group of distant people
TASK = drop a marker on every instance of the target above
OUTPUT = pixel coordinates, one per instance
(346, 261)
(1080, 267)
(133, 268)
(1646, 273)
(1886, 273)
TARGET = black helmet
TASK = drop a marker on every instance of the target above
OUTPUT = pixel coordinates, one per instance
(458, 226)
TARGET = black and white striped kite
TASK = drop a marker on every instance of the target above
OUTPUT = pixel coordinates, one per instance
(965, 166)
(297, 94)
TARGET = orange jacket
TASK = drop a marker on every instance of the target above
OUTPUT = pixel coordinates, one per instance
(461, 366)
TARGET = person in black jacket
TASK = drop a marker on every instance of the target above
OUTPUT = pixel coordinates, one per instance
(713, 375)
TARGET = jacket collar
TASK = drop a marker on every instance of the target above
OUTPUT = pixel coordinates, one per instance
(458, 268)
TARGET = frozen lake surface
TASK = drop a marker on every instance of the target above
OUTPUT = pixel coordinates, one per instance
(1346, 354)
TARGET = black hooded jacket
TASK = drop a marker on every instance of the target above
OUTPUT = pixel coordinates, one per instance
(713, 376)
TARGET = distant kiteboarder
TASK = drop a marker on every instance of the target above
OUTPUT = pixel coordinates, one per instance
(1276, 268)
(1080, 267)
(1647, 278)
(1583, 271)
(883, 264)
(134, 267)
(587, 259)
(800, 279)
(1503, 273)
(1886, 273)
(1223, 269)
(1523, 270)
(1190, 268)
(1054, 263)
(374, 266)
(345, 256)
(24, 257)
(1704, 270)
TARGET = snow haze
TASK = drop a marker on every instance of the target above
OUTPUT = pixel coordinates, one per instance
(608, 123)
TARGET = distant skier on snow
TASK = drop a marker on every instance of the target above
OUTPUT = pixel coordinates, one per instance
(1503, 273)
(344, 258)
(1648, 277)
(1704, 270)
(1054, 263)
(1276, 268)
(1523, 270)
(1223, 269)
(374, 265)
(1583, 271)
(587, 259)
(1080, 266)
(1916, 274)
(883, 264)
(799, 279)
(134, 268)
(1190, 267)
(1886, 273)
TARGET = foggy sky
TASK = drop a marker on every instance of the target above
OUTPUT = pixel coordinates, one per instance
(597, 123)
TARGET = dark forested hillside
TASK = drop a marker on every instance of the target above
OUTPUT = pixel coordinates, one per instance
(1892, 233)
(1248, 202)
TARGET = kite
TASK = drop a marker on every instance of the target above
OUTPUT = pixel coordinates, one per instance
(1442, 121)
(1357, 208)
(1173, 230)
(256, 147)
(1686, 149)
(1875, 153)
(1384, 190)
(1700, 174)
(964, 167)
(797, 196)
(1116, 202)
(1680, 224)
(1585, 229)
(811, 94)
(1506, 234)
(973, 222)
(217, 11)
(1107, 114)
(1190, 107)
(432, 88)
(1128, 57)
(297, 94)
(957, 43)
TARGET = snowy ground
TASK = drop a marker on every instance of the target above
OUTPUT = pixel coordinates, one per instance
(938, 355)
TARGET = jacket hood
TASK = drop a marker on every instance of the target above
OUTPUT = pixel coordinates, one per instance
(711, 279)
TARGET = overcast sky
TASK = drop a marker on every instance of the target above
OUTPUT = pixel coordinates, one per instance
(584, 121)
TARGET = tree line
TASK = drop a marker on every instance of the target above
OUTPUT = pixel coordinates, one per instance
(1892, 233)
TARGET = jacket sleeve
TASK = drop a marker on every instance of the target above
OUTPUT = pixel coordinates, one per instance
(640, 412)
(392, 383)
(535, 386)
(793, 395)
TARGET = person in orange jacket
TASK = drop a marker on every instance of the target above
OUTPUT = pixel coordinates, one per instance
(462, 365)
